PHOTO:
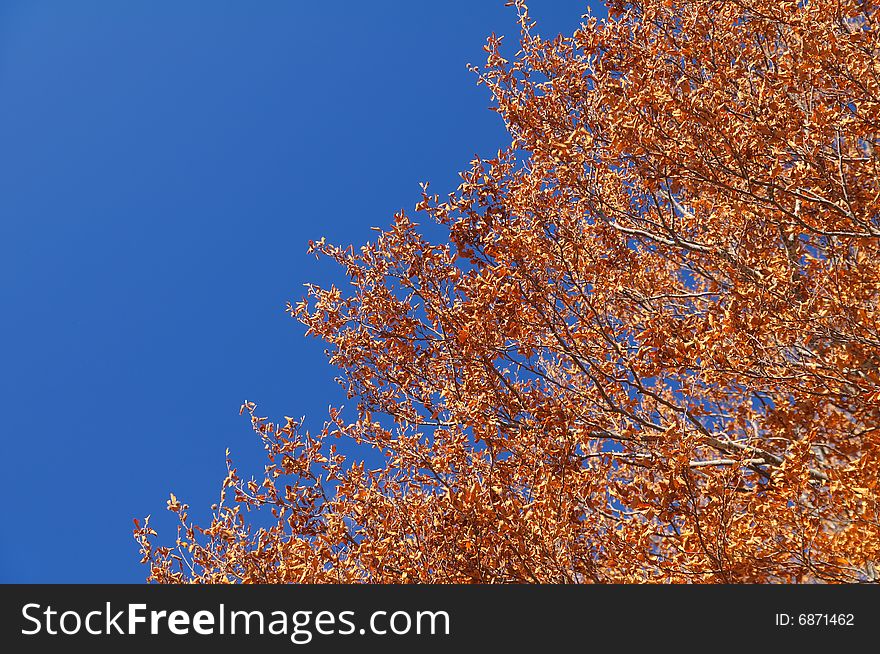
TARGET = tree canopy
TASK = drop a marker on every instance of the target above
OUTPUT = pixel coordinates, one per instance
(648, 350)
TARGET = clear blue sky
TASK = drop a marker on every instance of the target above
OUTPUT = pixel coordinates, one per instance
(162, 168)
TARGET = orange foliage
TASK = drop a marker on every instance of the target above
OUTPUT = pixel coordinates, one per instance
(649, 349)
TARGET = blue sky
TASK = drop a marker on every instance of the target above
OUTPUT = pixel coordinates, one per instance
(162, 168)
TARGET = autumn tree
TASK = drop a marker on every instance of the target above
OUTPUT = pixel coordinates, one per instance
(648, 350)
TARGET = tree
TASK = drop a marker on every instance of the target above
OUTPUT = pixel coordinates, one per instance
(648, 350)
